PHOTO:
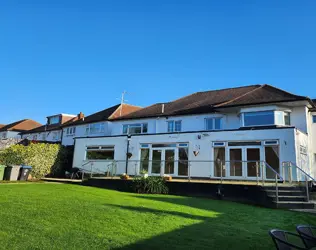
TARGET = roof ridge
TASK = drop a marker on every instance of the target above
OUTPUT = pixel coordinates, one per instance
(241, 96)
(240, 87)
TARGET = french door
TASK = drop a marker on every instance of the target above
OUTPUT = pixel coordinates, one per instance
(244, 162)
(163, 161)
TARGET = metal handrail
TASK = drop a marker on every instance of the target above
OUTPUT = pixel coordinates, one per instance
(277, 174)
(306, 174)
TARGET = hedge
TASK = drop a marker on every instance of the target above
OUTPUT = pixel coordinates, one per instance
(45, 159)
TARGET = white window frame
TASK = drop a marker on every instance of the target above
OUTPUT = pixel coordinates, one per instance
(53, 117)
(314, 119)
(71, 131)
(174, 126)
(101, 128)
(213, 123)
(287, 113)
(135, 125)
(55, 135)
(262, 125)
(100, 148)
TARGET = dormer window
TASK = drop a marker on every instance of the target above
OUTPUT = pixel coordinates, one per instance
(53, 120)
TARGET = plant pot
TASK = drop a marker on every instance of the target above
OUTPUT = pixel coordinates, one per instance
(167, 178)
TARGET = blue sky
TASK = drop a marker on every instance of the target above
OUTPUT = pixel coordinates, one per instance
(71, 56)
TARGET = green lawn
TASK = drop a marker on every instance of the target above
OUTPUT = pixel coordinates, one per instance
(60, 216)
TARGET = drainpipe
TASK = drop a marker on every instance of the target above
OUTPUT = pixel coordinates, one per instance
(128, 140)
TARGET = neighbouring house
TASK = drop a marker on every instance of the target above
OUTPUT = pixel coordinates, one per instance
(242, 133)
(14, 129)
(97, 124)
(51, 131)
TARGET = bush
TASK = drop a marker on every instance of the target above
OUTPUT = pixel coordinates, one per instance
(44, 158)
(150, 185)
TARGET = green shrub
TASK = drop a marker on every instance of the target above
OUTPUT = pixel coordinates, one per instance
(150, 185)
(44, 158)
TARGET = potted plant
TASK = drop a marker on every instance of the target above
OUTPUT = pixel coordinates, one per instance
(144, 173)
(167, 177)
(124, 177)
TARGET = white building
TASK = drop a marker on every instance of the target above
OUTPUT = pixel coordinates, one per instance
(238, 133)
(51, 131)
(97, 124)
(14, 129)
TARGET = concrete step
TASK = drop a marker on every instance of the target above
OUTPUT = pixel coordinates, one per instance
(289, 198)
(286, 192)
(268, 188)
(295, 205)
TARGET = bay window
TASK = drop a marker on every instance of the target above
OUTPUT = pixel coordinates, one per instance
(266, 118)
(139, 128)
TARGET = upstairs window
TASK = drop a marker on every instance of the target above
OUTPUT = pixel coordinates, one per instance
(287, 118)
(4, 135)
(139, 128)
(44, 136)
(95, 128)
(261, 118)
(314, 118)
(53, 120)
(174, 126)
(213, 123)
(71, 131)
(34, 137)
(55, 136)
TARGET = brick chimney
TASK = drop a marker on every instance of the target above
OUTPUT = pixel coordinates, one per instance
(80, 116)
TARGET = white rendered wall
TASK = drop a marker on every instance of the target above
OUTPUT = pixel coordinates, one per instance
(286, 139)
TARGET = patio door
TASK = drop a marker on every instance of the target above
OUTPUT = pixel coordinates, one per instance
(244, 162)
(163, 161)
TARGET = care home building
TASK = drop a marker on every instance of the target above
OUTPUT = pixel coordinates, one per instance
(237, 133)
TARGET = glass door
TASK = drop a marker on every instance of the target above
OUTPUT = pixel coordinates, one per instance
(253, 162)
(169, 161)
(236, 162)
(156, 162)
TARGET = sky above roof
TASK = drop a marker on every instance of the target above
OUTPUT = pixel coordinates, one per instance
(71, 56)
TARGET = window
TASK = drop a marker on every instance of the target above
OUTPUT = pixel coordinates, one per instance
(139, 128)
(53, 120)
(55, 136)
(213, 123)
(4, 135)
(100, 153)
(287, 118)
(218, 144)
(95, 128)
(314, 118)
(34, 137)
(71, 131)
(144, 160)
(44, 136)
(174, 126)
(258, 118)
(219, 162)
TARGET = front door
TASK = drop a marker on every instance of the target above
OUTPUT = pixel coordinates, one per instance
(163, 162)
(244, 162)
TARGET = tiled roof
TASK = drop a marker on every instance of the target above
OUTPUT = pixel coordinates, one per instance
(211, 101)
(106, 114)
(20, 126)
(52, 127)
(2, 125)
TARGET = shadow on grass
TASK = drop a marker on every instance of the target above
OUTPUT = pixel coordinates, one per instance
(217, 231)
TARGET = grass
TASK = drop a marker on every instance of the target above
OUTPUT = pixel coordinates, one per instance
(61, 216)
